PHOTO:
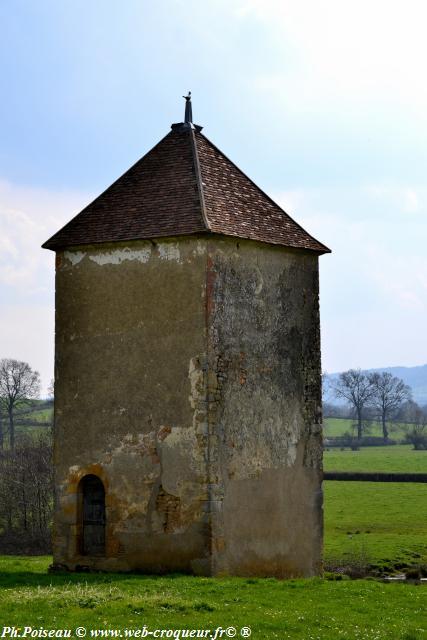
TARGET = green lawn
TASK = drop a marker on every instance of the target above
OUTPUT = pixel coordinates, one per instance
(334, 427)
(384, 524)
(392, 458)
(381, 524)
(299, 609)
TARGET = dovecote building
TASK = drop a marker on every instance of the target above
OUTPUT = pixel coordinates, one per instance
(187, 429)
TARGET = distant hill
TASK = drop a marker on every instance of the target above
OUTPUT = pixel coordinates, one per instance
(415, 377)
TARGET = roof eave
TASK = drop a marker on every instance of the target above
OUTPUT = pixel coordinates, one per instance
(53, 245)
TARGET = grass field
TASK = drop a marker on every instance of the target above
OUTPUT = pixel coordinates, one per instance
(380, 524)
(368, 523)
(40, 415)
(396, 458)
(334, 427)
(299, 609)
(31, 420)
(33, 416)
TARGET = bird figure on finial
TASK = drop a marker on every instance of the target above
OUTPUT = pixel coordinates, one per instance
(188, 110)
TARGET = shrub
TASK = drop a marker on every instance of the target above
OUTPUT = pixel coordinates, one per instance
(418, 440)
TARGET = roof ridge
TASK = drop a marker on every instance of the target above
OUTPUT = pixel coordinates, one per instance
(199, 179)
(326, 249)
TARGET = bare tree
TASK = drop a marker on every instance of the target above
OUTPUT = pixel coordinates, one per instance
(354, 387)
(414, 422)
(389, 393)
(2, 416)
(18, 384)
(326, 385)
(51, 390)
(26, 495)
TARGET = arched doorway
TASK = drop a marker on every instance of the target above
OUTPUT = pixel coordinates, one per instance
(92, 516)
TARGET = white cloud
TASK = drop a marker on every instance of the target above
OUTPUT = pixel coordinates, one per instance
(28, 217)
(27, 333)
(405, 199)
(412, 204)
(336, 52)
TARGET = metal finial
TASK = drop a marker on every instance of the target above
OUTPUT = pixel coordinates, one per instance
(188, 111)
(188, 122)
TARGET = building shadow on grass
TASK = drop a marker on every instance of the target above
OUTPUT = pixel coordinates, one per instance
(16, 579)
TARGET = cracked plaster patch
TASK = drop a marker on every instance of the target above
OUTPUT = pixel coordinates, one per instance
(117, 256)
(74, 256)
(169, 251)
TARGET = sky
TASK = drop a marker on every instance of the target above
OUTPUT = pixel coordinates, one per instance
(322, 104)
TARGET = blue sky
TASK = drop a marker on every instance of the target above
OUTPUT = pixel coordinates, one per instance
(324, 105)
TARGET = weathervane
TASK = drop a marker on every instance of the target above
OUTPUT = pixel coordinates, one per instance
(188, 111)
(188, 117)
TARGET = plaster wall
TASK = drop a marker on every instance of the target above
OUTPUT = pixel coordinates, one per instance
(129, 402)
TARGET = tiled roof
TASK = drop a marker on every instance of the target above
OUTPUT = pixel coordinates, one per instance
(184, 185)
(235, 206)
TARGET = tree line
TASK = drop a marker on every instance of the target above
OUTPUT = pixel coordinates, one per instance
(26, 469)
(379, 396)
(26, 495)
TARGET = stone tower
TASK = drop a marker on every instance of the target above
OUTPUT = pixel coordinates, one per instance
(187, 374)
